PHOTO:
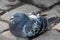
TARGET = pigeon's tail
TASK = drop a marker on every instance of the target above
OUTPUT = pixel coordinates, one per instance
(53, 20)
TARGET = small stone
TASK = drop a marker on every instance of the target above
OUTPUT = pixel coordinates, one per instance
(46, 3)
(57, 8)
(6, 4)
(54, 12)
(22, 39)
(57, 27)
(3, 26)
(2, 37)
(49, 35)
(7, 35)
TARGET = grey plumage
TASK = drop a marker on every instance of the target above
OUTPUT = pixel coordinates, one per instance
(28, 25)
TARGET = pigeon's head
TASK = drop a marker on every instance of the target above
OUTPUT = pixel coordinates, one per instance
(18, 16)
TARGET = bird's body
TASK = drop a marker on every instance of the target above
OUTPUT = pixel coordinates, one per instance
(28, 25)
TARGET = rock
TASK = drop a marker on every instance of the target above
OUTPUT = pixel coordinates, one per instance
(57, 27)
(46, 3)
(22, 39)
(24, 8)
(8, 36)
(57, 8)
(2, 37)
(3, 26)
(50, 35)
(6, 4)
(54, 12)
(50, 13)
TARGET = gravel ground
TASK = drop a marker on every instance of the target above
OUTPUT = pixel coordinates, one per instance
(49, 7)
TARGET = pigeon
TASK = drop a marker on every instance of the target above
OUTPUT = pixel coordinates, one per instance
(30, 25)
